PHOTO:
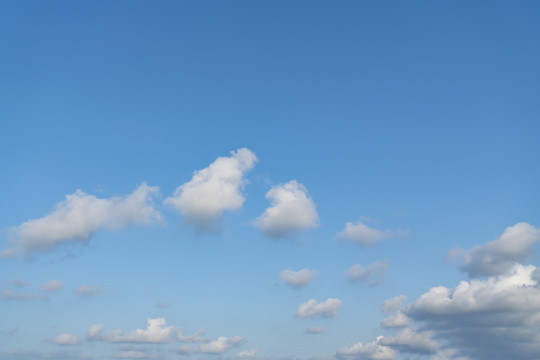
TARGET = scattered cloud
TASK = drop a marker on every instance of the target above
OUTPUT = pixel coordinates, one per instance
(291, 210)
(364, 235)
(366, 351)
(410, 341)
(52, 285)
(327, 308)
(247, 354)
(7, 294)
(314, 330)
(515, 245)
(155, 332)
(393, 304)
(298, 278)
(213, 190)
(87, 291)
(195, 338)
(77, 218)
(18, 282)
(219, 346)
(162, 305)
(66, 339)
(374, 273)
(397, 320)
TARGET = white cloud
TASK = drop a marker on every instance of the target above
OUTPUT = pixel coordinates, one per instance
(77, 218)
(52, 285)
(410, 341)
(327, 308)
(134, 354)
(368, 351)
(247, 354)
(393, 304)
(155, 332)
(218, 346)
(18, 282)
(66, 339)
(374, 273)
(314, 330)
(364, 235)
(298, 278)
(213, 190)
(21, 296)
(195, 338)
(87, 291)
(292, 210)
(498, 256)
(397, 320)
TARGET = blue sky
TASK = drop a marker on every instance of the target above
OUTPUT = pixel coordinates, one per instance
(301, 180)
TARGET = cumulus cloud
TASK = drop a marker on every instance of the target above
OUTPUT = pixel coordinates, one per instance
(298, 278)
(496, 257)
(247, 354)
(393, 304)
(291, 210)
(195, 338)
(397, 320)
(374, 273)
(87, 291)
(213, 190)
(314, 330)
(156, 332)
(368, 351)
(66, 339)
(495, 318)
(218, 346)
(364, 235)
(327, 308)
(52, 285)
(79, 216)
(410, 341)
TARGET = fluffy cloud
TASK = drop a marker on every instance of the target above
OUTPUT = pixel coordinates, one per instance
(327, 308)
(213, 190)
(364, 235)
(52, 285)
(66, 339)
(247, 354)
(77, 218)
(218, 346)
(368, 351)
(374, 273)
(393, 304)
(155, 332)
(314, 330)
(298, 278)
(292, 210)
(87, 291)
(498, 256)
(410, 341)
(397, 320)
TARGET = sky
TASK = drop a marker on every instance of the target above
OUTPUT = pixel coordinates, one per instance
(284, 180)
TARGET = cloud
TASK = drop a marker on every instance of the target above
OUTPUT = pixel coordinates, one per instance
(87, 291)
(374, 273)
(327, 308)
(498, 256)
(162, 305)
(397, 320)
(52, 285)
(195, 338)
(292, 210)
(495, 318)
(298, 278)
(66, 339)
(135, 354)
(368, 351)
(314, 330)
(18, 282)
(156, 332)
(219, 346)
(213, 190)
(7, 294)
(246, 354)
(410, 341)
(393, 304)
(364, 235)
(77, 218)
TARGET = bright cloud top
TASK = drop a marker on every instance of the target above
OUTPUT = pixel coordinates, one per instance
(292, 210)
(374, 273)
(312, 308)
(213, 190)
(156, 332)
(81, 215)
(496, 257)
(298, 278)
(367, 351)
(364, 235)
(411, 341)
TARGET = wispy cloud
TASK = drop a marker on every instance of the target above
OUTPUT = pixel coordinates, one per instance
(364, 235)
(312, 308)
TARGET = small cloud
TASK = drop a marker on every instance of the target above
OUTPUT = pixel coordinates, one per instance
(374, 273)
(314, 330)
(66, 339)
(411, 341)
(162, 305)
(327, 308)
(246, 354)
(18, 282)
(219, 346)
(367, 351)
(292, 210)
(298, 278)
(364, 235)
(21, 296)
(156, 332)
(393, 304)
(52, 285)
(87, 291)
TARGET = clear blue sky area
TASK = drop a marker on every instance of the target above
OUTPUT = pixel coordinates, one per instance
(360, 141)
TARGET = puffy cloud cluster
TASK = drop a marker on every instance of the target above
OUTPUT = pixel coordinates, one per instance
(515, 245)
(411, 341)
(298, 278)
(213, 190)
(291, 210)
(81, 215)
(312, 308)
(218, 346)
(314, 330)
(367, 351)
(155, 332)
(374, 273)
(364, 235)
